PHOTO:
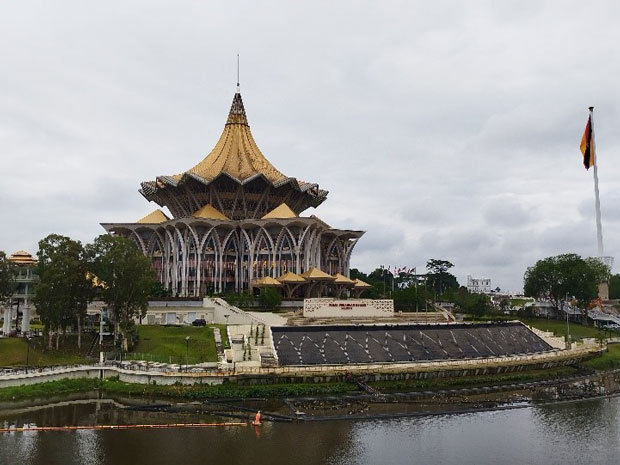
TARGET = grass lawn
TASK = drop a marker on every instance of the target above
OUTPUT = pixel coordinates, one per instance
(608, 361)
(167, 344)
(13, 352)
(558, 327)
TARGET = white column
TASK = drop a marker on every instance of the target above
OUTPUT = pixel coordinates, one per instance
(25, 319)
(8, 313)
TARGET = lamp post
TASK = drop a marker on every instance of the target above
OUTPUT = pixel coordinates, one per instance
(567, 326)
(27, 352)
(186, 352)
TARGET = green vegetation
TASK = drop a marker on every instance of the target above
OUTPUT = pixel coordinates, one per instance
(129, 279)
(558, 328)
(472, 381)
(203, 391)
(270, 298)
(13, 353)
(564, 276)
(167, 344)
(179, 391)
(63, 386)
(8, 271)
(517, 302)
(608, 361)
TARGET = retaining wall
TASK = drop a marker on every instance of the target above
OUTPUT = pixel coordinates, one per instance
(316, 374)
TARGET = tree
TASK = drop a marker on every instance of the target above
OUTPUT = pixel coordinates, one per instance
(565, 275)
(128, 277)
(472, 304)
(65, 287)
(8, 270)
(270, 297)
(438, 276)
(614, 286)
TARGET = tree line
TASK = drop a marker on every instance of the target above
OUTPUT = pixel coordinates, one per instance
(70, 275)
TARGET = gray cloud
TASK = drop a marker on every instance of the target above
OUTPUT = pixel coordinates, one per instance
(444, 130)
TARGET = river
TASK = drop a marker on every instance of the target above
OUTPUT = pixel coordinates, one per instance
(568, 433)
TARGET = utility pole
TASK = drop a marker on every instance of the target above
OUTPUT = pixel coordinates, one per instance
(186, 352)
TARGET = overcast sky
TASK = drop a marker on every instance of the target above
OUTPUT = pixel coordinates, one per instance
(443, 129)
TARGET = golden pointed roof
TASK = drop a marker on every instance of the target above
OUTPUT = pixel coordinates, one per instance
(21, 257)
(236, 158)
(210, 212)
(314, 274)
(155, 217)
(290, 278)
(342, 279)
(266, 281)
(235, 153)
(281, 211)
(359, 284)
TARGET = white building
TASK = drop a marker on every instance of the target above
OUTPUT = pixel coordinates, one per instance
(478, 285)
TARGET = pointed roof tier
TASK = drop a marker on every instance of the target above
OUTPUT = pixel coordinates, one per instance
(155, 217)
(267, 281)
(359, 284)
(281, 211)
(21, 257)
(290, 278)
(314, 274)
(232, 178)
(342, 279)
(210, 213)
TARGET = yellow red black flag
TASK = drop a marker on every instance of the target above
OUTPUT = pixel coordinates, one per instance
(587, 145)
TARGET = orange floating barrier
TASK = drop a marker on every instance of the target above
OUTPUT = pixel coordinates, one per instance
(113, 427)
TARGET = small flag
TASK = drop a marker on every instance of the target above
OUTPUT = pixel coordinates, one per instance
(587, 144)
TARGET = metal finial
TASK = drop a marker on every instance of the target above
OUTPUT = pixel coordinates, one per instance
(237, 71)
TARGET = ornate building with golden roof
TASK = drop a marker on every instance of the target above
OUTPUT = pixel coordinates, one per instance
(235, 219)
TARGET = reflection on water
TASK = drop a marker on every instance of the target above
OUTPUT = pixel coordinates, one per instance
(586, 432)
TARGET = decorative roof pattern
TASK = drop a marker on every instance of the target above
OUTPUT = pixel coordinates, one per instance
(21, 257)
(237, 156)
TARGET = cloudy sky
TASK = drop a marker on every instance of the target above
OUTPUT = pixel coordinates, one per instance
(444, 129)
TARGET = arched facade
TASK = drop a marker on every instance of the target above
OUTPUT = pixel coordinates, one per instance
(195, 257)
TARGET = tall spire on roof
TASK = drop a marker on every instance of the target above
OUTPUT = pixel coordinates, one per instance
(238, 86)
(237, 111)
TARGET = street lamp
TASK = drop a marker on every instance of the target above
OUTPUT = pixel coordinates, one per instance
(186, 352)
(27, 352)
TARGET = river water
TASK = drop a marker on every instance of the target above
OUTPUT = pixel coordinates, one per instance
(585, 432)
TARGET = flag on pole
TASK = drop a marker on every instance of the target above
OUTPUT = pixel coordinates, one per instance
(587, 145)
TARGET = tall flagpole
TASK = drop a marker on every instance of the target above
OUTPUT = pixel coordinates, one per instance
(597, 200)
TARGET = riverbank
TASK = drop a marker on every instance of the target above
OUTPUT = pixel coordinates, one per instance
(113, 386)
